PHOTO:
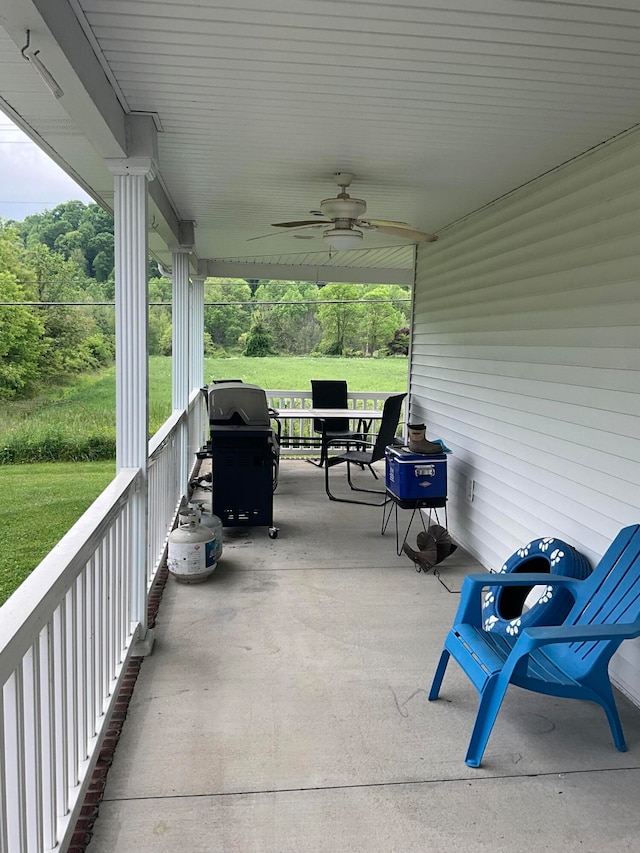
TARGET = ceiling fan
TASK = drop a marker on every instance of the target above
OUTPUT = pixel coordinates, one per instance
(345, 216)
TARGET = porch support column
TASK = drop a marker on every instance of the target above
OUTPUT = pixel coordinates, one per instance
(180, 346)
(196, 327)
(132, 382)
(200, 421)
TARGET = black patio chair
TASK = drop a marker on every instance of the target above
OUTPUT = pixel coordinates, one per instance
(332, 394)
(366, 453)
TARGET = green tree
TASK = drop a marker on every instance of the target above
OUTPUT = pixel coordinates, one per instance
(101, 255)
(158, 331)
(70, 338)
(400, 296)
(400, 343)
(71, 229)
(339, 320)
(378, 319)
(12, 254)
(295, 328)
(160, 326)
(225, 322)
(49, 226)
(20, 340)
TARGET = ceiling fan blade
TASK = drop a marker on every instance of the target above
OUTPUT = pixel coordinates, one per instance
(302, 222)
(408, 232)
(301, 227)
(389, 222)
(264, 236)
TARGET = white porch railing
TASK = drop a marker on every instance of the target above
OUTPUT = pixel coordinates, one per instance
(66, 636)
(298, 437)
(164, 490)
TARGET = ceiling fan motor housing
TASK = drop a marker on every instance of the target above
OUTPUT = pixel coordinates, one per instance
(343, 208)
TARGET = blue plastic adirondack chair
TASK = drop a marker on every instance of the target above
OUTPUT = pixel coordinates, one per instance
(569, 660)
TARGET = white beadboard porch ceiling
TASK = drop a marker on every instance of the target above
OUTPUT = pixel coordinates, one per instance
(437, 107)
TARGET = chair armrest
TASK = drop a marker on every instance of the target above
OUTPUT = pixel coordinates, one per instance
(534, 638)
(470, 607)
(543, 636)
(519, 579)
(360, 442)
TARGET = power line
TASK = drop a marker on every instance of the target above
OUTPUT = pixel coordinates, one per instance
(225, 283)
(216, 304)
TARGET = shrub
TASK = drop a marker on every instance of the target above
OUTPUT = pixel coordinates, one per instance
(258, 343)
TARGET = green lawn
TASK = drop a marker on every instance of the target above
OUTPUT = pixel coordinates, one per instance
(38, 504)
(40, 500)
(362, 374)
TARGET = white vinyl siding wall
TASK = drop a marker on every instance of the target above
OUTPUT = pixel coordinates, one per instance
(526, 361)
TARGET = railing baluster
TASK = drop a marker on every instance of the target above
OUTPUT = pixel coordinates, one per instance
(111, 623)
(72, 685)
(100, 630)
(15, 763)
(90, 633)
(61, 700)
(118, 545)
(80, 638)
(47, 729)
(119, 608)
(32, 747)
(4, 806)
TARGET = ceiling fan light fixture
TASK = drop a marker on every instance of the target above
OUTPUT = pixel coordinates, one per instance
(341, 239)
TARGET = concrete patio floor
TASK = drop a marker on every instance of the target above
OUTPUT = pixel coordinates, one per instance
(284, 710)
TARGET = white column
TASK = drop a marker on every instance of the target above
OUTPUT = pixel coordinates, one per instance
(180, 354)
(180, 330)
(200, 419)
(196, 326)
(132, 381)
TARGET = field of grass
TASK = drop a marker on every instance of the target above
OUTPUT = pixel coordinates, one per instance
(362, 374)
(57, 451)
(38, 504)
(77, 422)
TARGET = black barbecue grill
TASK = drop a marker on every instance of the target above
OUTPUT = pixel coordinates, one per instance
(245, 451)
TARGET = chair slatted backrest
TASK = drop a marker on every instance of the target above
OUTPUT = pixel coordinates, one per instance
(388, 425)
(610, 595)
(330, 394)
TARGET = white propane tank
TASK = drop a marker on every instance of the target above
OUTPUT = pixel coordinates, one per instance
(192, 549)
(212, 522)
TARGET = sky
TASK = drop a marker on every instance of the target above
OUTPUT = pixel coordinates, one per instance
(30, 181)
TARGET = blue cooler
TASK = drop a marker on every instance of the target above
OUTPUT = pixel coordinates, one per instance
(415, 476)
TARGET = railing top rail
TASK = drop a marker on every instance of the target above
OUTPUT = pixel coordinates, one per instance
(352, 395)
(28, 609)
(165, 431)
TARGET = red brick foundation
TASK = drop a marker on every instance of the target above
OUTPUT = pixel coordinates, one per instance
(89, 811)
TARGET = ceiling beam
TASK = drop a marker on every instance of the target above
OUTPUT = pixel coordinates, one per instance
(301, 272)
(63, 47)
